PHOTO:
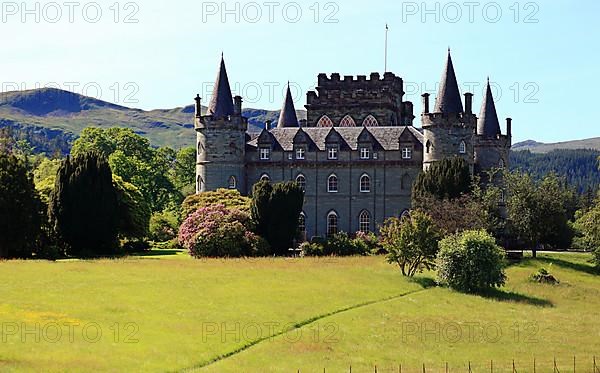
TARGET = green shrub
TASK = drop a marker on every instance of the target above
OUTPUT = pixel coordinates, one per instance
(163, 226)
(226, 197)
(341, 244)
(470, 262)
(312, 249)
(544, 277)
(411, 242)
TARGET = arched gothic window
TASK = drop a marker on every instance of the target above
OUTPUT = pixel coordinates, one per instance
(365, 184)
(332, 184)
(428, 147)
(370, 121)
(332, 223)
(232, 184)
(301, 180)
(265, 177)
(405, 182)
(502, 164)
(462, 148)
(364, 222)
(347, 121)
(302, 223)
(325, 122)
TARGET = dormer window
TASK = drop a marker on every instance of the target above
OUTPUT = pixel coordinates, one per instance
(407, 153)
(332, 153)
(365, 153)
(300, 153)
(265, 154)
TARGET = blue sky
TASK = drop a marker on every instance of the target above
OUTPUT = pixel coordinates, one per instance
(542, 57)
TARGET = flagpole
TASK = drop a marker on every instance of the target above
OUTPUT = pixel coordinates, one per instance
(386, 48)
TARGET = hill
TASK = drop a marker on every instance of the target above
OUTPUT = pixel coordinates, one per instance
(539, 147)
(51, 119)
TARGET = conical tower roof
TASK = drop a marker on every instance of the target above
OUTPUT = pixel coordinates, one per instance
(488, 124)
(288, 117)
(221, 103)
(448, 99)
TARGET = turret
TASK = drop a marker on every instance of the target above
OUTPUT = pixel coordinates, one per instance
(448, 130)
(221, 139)
(288, 117)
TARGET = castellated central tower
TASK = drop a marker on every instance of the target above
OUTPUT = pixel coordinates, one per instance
(221, 139)
(448, 131)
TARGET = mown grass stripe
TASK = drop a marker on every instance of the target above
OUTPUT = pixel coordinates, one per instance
(296, 327)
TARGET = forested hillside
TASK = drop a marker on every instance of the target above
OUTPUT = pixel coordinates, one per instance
(580, 167)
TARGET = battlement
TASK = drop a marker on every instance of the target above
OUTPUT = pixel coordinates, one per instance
(361, 80)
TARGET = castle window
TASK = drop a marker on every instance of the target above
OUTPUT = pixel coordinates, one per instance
(428, 147)
(364, 222)
(332, 223)
(325, 122)
(462, 149)
(347, 121)
(406, 153)
(301, 180)
(365, 153)
(266, 178)
(232, 182)
(302, 224)
(265, 154)
(502, 196)
(332, 184)
(502, 164)
(405, 182)
(332, 152)
(370, 121)
(405, 214)
(300, 153)
(365, 184)
(200, 187)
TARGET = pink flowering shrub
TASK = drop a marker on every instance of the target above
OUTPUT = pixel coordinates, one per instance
(216, 231)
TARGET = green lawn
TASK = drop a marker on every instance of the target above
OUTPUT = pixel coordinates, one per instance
(171, 313)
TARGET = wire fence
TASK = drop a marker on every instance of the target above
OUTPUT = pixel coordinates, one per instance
(542, 366)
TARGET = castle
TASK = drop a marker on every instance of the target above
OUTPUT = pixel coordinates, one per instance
(356, 155)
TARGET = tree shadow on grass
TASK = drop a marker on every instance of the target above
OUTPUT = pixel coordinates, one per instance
(511, 296)
(424, 282)
(156, 253)
(581, 267)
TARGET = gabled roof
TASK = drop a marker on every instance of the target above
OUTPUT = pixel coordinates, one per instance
(221, 103)
(386, 138)
(488, 124)
(287, 117)
(448, 100)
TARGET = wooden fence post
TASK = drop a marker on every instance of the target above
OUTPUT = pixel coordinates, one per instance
(491, 366)
(573, 363)
(555, 367)
(534, 365)
(514, 369)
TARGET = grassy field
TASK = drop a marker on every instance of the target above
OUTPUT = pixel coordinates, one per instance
(170, 313)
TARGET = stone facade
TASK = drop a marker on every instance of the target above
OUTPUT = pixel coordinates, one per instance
(356, 155)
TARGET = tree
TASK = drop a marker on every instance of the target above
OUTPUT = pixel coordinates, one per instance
(83, 206)
(44, 177)
(134, 212)
(411, 242)
(539, 212)
(448, 179)
(20, 209)
(587, 226)
(184, 171)
(132, 157)
(470, 262)
(275, 211)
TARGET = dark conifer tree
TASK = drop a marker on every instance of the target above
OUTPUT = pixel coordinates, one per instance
(447, 179)
(20, 209)
(83, 207)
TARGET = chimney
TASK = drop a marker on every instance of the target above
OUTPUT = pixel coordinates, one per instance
(468, 103)
(198, 106)
(509, 127)
(237, 105)
(425, 103)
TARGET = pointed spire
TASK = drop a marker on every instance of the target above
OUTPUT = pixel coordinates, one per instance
(488, 124)
(221, 103)
(448, 99)
(288, 117)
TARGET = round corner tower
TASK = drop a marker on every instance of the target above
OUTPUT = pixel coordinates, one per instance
(221, 140)
(448, 131)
